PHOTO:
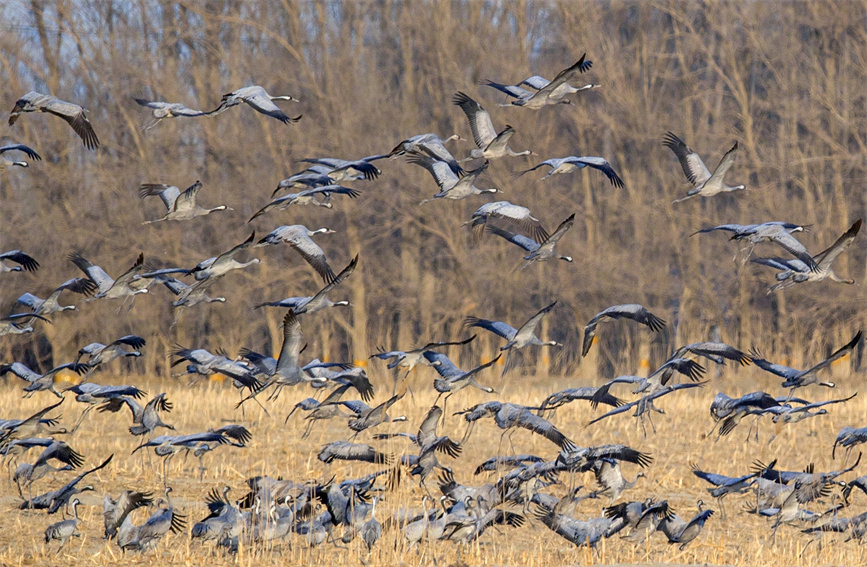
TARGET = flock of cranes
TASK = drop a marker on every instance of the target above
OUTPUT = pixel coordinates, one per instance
(317, 511)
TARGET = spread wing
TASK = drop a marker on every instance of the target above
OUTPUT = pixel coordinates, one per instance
(694, 169)
(480, 121)
(265, 105)
(497, 327)
(292, 337)
(75, 116)
(167, 193)
(27, 262)
(597, 163)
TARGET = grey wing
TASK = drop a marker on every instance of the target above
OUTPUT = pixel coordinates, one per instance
(589, 333)
(502, 138)
(436, 149)
(175, 285)
(511, 90)
(165, 272)
(95, 273)
(736, 228)
(167, 193)
(63, 453)
(352, 452)
(826, 403)
(19, 370)
(529, 327)
(27, 262)
(791, 245)
(187, 199)
(562, 229)
(292, 337)
(155, 104)
(497, 327)
(449, 343)
(689, 368)
(329, 190)
(714, 479)
(267, 106)
(29, 300)
(782, 264)
(694, 169)
(440, 170)
(339, 278)
(607, 473)
(778, 369)
(275, 203)
(30, 152)
(535, 82)
(181, 110)
(565, 76)
(671, 389)
(827, 257)
(622, 409)
(446, 368)
(237, 432)
(129, 275)
(75, 116)
(480, 120)
(598, 163)
(30, 316)
(725, 163)
(83, 286)
(197, 356)
(520, 218)
(548, 162)
(193, 438)
(637, 313)
(231, 253)
(132, 340)
(545, 428)
(710, 349)
(355, 406)
(313, 255)
(524, 242)
(389, 354)
(839, 353)
(114, 405)
(427, 431)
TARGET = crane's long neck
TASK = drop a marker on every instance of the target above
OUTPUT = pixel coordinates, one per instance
(838, 279)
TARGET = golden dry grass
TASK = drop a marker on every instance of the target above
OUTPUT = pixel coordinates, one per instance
(278, 450)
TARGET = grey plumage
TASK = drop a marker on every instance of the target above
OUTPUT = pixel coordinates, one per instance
(73, 114)
(65, 529)
(259, 100)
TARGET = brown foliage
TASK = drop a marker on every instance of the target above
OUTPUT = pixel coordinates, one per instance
(785, 79)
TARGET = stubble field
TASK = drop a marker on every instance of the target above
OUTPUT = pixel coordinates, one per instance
(278, 450)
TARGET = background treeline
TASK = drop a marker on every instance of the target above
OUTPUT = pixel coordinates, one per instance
(785, 79)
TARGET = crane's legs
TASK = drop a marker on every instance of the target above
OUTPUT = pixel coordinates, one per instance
(308, 429)
(469, 430)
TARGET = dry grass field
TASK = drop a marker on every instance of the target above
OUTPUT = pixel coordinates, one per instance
(277, 450)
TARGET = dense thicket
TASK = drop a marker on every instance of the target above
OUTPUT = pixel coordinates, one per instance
(785, 79)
